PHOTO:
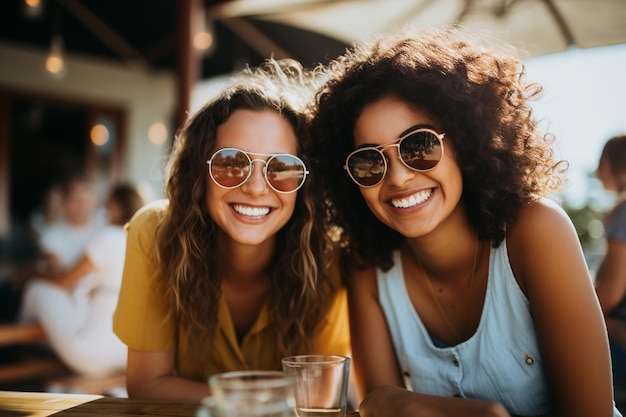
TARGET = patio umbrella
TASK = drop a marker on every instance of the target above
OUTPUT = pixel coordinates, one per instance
(537, 26)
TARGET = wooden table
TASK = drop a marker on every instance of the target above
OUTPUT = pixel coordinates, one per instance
(35, 404)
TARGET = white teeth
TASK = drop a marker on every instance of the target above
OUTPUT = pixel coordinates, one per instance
(251, 211)
(411, 201)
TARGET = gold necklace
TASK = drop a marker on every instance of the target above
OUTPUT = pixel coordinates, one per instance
(443, 314)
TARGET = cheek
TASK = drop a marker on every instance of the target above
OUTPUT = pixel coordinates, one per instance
(212, 198)
(289, 202)
(370, 195)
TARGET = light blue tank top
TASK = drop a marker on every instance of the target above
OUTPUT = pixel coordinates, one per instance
(500, 363)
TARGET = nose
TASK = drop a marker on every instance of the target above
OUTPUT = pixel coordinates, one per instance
(256, 183)
(397, 173)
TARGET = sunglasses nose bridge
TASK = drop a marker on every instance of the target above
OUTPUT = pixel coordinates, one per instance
(385, 154)
(398, 171)
(251, 181)
(252, 161)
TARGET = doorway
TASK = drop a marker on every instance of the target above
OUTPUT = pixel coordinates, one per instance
(43, 141)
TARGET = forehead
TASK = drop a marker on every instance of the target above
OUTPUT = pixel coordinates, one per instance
(78, 188)
(386, 119)
(257, 131)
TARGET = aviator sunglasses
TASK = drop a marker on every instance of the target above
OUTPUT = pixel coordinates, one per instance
(420, 149)
(231, 167)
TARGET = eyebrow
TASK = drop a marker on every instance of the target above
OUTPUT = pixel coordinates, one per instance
(414, 127)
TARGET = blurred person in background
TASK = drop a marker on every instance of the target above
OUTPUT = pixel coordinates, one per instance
(62, 243)
(68, 219)
(49, 212)
(611, 274)
(79, 325)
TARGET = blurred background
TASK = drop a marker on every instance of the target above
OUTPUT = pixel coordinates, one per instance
(102, 86)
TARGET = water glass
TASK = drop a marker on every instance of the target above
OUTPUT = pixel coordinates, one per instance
(250, 394)
(321, 384)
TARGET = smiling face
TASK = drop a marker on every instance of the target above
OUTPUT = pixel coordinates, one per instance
(252, 213)
(411, 202)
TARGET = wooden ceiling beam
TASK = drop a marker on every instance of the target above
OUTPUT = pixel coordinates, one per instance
(108, 36)
(262, 44)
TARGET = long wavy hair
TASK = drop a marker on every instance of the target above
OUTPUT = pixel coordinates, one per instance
(186, 236)
(476, 90)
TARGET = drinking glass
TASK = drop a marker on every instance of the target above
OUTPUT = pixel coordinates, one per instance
(250, 394)
(321, 384)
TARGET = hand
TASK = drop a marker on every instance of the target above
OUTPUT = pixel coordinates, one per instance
(409, 404)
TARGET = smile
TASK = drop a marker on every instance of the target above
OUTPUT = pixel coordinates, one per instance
(253, 212)
(413, 200)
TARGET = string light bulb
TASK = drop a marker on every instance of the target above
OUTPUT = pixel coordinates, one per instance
(55, 62)
(204, 38)
(33, 8)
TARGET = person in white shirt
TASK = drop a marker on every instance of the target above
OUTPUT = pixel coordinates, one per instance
(63, 242)
(78, 324)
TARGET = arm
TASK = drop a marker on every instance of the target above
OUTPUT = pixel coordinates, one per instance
(144, 322)
(548, 262)
(68, 279)
(412, 404)
(611, 276)
(374, 359)
(152, 375)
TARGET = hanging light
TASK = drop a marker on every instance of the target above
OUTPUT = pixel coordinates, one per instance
(204, 39)
(55, 62)
(32, 8)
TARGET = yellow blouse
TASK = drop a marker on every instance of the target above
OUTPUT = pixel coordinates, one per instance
(142, 320)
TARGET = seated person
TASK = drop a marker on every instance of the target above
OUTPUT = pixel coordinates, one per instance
(79, 324)
(469, 293)
(231, 272)
(611, 274)
(60, 240)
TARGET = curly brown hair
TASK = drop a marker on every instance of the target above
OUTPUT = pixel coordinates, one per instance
(476, 90)
(186, 236)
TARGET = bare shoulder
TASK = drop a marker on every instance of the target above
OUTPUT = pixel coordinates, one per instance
(540, 220)
(541, 211)
(543, 238)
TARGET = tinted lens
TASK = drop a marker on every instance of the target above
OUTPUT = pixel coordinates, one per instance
(421, 150)
(367, 167)
(285, 172)
(230, 167)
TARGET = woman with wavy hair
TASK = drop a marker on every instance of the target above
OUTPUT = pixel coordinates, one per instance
(234, 270)
(468, 290)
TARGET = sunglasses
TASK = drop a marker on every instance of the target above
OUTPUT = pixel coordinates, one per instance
(231, 167)
(420, 150)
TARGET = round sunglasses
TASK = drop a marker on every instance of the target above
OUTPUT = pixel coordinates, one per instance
(231, 167)
(420, 149)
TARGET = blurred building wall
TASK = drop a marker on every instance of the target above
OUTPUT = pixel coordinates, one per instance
(148, 98)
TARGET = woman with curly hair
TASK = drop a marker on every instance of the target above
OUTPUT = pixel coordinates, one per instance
(233, 271)
(468, 291)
